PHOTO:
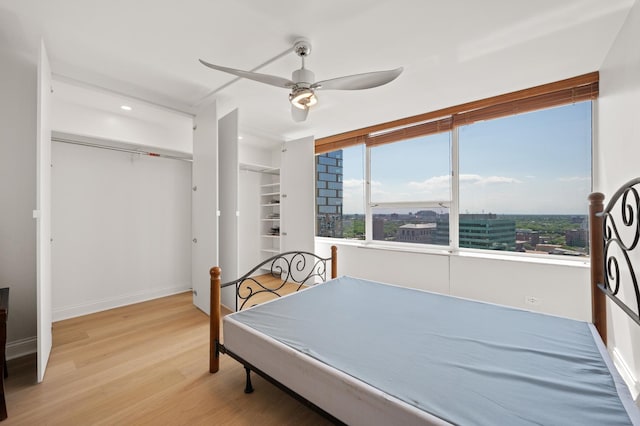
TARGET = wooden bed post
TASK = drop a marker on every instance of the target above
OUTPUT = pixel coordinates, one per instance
(334, 262)
(598, 299)
(214, 319)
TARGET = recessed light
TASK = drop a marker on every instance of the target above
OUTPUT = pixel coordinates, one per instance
(126, 107)
(239, 137)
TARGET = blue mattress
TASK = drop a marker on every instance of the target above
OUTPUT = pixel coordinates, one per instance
(463, 361)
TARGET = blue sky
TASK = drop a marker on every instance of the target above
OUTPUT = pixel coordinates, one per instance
(533, 163)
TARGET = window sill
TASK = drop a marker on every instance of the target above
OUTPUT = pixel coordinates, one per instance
(583, 262)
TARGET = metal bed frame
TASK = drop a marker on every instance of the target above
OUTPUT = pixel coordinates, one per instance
(614, 234)
(299, 268)
(614, 237)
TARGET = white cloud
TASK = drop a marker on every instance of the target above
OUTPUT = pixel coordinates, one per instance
(487, 180)
(497, 179)
(432, 184)
(470, 178)
(352, 183)
(575, 179)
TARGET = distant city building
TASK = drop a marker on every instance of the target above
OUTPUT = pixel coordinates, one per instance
(549, 248)
(565, 252)
(378, 228)
(528, 236)
(420, 233)
(481, 231)
(329, 221)
(578, 219)
(429, 215)
(576, 237)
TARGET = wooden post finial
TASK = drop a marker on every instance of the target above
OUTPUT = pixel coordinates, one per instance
(595, 197)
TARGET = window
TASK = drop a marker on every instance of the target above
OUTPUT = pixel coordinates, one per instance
(509, 173)
(411, 190)
(340, 193)
(524, 180)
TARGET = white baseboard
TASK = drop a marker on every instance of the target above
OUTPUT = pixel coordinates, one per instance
(22, 347)
(627, 375)
(29, 345)
(94, 306)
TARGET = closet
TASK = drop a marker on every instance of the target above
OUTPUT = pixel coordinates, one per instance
(245, 210)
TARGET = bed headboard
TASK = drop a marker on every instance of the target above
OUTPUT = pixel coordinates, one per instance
(293, 268)
(299, 268)
(615, 235)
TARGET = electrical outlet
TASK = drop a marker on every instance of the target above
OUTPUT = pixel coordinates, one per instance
(531, 300)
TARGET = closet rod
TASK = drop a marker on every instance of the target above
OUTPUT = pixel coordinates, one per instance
(115, 148)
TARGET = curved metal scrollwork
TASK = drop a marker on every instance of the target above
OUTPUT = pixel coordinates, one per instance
(297, 268)
(621, 222)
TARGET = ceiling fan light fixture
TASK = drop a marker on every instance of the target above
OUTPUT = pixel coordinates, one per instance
(303, 82)
(303, 98)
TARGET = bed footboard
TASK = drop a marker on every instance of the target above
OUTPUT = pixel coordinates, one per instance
(615, 247)
(291, 270)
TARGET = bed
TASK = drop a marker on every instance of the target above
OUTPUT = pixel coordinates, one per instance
(362, 352)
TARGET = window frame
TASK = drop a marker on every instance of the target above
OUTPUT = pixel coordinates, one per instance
(564, 92)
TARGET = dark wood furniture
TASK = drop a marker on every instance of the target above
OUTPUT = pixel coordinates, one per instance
(4, 312)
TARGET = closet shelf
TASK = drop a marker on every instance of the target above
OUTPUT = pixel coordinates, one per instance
(269, 214)
(270, 250)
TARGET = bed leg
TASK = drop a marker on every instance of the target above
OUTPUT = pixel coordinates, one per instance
(248, 387)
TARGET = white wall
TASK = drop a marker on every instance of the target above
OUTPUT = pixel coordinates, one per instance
(617, 154)
(558, 288)
(18, 196)
(249, 154)
(121, 228)
(91, 112)
(561, 288)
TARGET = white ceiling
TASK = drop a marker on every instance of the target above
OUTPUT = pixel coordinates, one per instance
(453, 51)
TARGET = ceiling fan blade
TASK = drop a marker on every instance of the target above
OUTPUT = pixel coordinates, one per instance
(262, 78)
(359, 81)
(298, 114)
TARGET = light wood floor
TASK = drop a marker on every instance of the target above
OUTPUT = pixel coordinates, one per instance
(143, 364)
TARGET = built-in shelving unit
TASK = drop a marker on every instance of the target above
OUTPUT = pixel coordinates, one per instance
(276, 203)
(269, 204)
(270, 212)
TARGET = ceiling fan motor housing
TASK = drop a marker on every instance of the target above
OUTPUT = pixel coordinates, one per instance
(302, 95)
(303, 77)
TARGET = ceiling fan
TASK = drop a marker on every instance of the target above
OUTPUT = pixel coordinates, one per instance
(303, 85)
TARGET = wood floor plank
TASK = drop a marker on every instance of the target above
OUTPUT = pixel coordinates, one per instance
(143, 364)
